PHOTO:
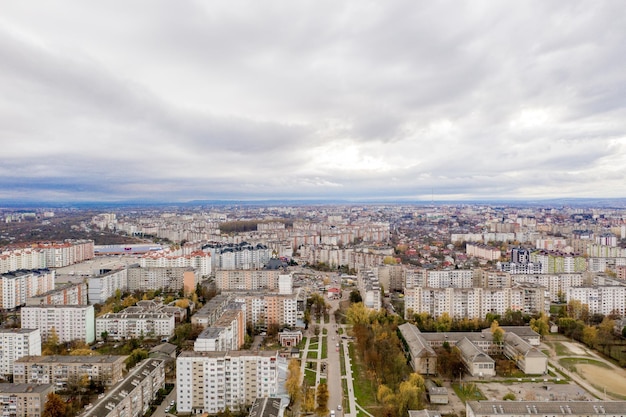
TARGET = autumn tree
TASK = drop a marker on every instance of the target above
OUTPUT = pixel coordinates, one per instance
(292, 384)
(135, 357)
(541, 324)
(54, 406)
(443, 323)
(590, 336)
(322, 400)
(309, 399)
(51, 346)
(409, 396)
(497, 332)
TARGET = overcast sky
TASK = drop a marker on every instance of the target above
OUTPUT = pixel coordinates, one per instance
(183, 100)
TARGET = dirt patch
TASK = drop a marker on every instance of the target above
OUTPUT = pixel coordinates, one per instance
(614, 380)
(575, 349)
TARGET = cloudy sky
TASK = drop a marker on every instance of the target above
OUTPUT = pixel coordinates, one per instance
(183, 100)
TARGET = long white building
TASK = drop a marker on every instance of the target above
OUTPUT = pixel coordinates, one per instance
(210, 382)
(15, 344)
(69, 322)
(198, 260)
(475, 302)
(601, 299)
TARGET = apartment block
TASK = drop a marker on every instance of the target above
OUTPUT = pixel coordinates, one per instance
(211, 311)
(210, 382)
(69, 322)
(247, 279)
(483, 251)
(23, 400)
(15, 344)
(456, 278)
(269, 308)
(18, 286)
(104, 286)
(135, 394)
(70, 294)
(58, 370)
(66, 253)
(600, 299)
(238, 255)
(475, 302)
(21, 259)
(370, 290)
(198, 260)
(125, 325)
(228, 332)
(167, 279)
(46, 255)
(556, 284)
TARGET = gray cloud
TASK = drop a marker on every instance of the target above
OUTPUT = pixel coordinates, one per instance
(310, 99)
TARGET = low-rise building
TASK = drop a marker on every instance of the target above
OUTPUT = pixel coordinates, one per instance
(477, 362)
(423, 356)
(545, 408)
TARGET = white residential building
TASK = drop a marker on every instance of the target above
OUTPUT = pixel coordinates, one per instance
(455, 278)
(17, 343)
(19, 285)
(556, 284)
(475, 302)
(210, 382)
(102, 287)
(69, 322)
(601, 299)
(198, 260)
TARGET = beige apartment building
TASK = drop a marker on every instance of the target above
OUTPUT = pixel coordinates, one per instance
(58, 370)
(23, 400)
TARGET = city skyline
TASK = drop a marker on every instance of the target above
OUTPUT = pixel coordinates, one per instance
(312, 100)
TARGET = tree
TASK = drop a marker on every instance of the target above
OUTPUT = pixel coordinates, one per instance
(322, 400)
(51, 346)
(355, 297)
(443, 323)
(135, 357)
(590, 336)
(410, 394)
(541, 324)
(358, 314)
(497, 332)
(292, 384)
(54, 406)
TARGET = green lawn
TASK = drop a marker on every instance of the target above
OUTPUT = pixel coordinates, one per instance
(302, 343)
(567, 362)
(364, 389)
(561, 350)
(468, 391)
(324, 348)
(309, 377)
(311, 354)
